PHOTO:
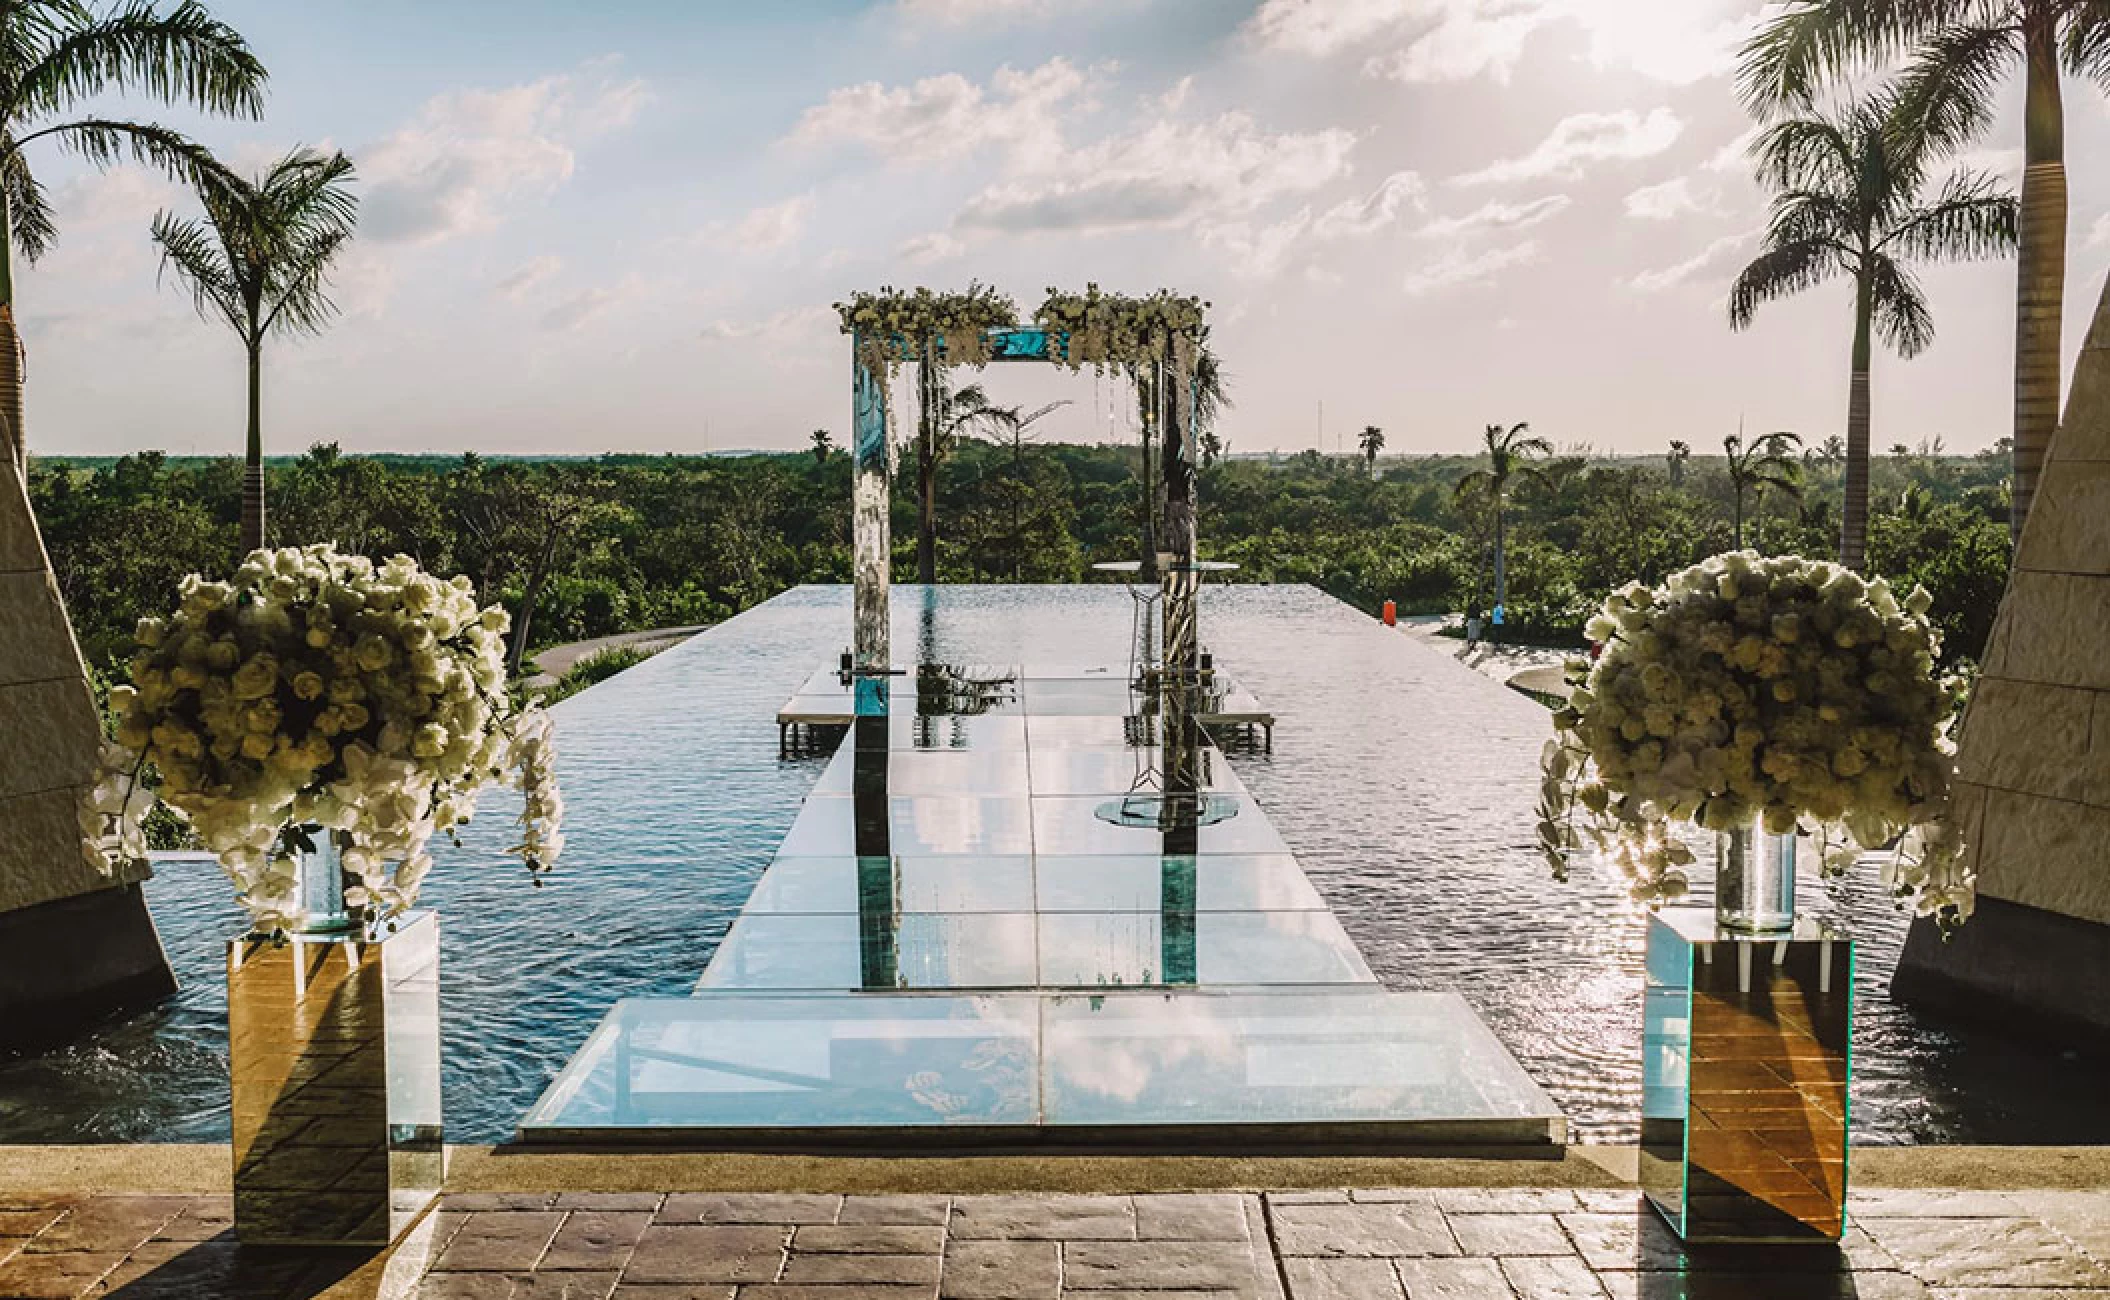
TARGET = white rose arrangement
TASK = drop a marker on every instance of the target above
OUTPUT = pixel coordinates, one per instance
(892, 327)
(1746, 687)
(1107, 330)
(320, 693)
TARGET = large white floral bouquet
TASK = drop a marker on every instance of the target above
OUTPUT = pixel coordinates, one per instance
(320, 693)
(1105, 330)
(1747, 687)
(892, 326)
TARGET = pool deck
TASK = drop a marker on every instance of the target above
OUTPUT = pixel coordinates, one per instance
(1016, 912)
(1927, 1224)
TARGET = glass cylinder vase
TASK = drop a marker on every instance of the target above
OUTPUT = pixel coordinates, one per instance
(322, 908)
(1754, 880)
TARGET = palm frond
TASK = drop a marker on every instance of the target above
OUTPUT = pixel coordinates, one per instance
(1813, 217)
(1948, 93)
(183, 55)
(2086, 43)
(1812, 43)
(104, 141)
(28, 208)
(1806, 152)
(1778, 273)
(298, 300)
(1902, 317)
(191, 249)
(1473, 482)
(1973, 217)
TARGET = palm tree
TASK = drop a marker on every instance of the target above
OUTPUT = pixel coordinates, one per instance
(1848, 203)
(260, 261)
(1509, 456)
(55, 54)
(1958, 52)
(1680, 452)
(1372, 441)
(1769, 462)
(954, 414)
(822, 445)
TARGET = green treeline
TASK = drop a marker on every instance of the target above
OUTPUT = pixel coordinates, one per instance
(630, 541)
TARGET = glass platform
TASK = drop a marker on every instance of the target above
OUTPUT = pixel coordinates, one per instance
(1014, 912)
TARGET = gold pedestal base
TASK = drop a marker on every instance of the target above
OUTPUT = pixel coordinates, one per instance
(334, 1048)
(1744, 1091)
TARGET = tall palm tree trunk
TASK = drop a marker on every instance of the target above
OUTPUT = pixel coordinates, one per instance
(13, 440)
(1736, 515)
(1501, 562)
(1853, 512)
(253, 457)
(2040, 264)
(927, 475)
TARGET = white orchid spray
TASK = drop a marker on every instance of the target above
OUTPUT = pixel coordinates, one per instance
(1747, 687)
(322, 694)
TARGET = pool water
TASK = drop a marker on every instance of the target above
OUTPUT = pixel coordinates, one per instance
(1403, 781)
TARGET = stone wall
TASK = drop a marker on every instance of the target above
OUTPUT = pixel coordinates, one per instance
(2034, 758)
(2035, 749)
(75, 944)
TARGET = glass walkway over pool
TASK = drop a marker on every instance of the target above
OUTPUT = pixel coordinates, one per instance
(992, 927)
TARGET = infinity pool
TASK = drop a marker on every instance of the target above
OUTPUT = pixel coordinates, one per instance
(1403, 782)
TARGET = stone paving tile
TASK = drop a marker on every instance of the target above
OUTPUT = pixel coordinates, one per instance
(1044, 1218)
(749, 1207)
(910, 1270)
(681, 1252)
(1308, 1197)
(595, 1240)
(465, 1286)
(55, 1277)
(1762, 1286)
(612, 1201)
(483, 1201)
(1392, 1229)
(693, 1291)
(564, 1286)
(1985, 1252)
(1156, 1265)
(1606, 1200)
(1394, 1195)
(873, 1292)
(2083, 1218)
(1219, 1217)
(1506, 1200)
(1927, 1203)
(499, 1241)
(1001, 1270)
(1544, 1277)
(202, 1219)
(867, 1239)
(107, 1223)
(1452, 1279)
(1509, 1234)
(1629, 1241)
(896, 1211)
(1342, 1279)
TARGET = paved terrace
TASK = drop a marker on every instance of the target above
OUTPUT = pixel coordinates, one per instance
(1479, 1237)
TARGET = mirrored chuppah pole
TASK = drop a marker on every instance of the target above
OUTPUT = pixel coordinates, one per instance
(872, 536)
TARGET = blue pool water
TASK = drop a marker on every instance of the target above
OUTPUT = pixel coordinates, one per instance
(1403, 782)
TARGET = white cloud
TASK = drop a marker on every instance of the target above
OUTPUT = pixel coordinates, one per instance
(1715, 259)
(1667, 201)
(1734, 156)
(523, 282)
(1456, 268)
(960, 13)
(946, 116)
(1584, 138)
(1165, 175)
(766, 229)
(1373, 213)
(2004, 164)
(816, 326)
(1455, 40)
(2099, 234)
(569, 313)
(1499, 216)
(451, 169)
(939, 246)
(1253, 249)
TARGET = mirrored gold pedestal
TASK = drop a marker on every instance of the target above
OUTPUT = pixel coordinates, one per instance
(1745, 1067)
(334, 1049)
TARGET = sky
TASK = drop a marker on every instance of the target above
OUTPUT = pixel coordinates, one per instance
(619, 226)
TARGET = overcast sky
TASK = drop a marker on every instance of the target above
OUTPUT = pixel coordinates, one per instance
(619, 225)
